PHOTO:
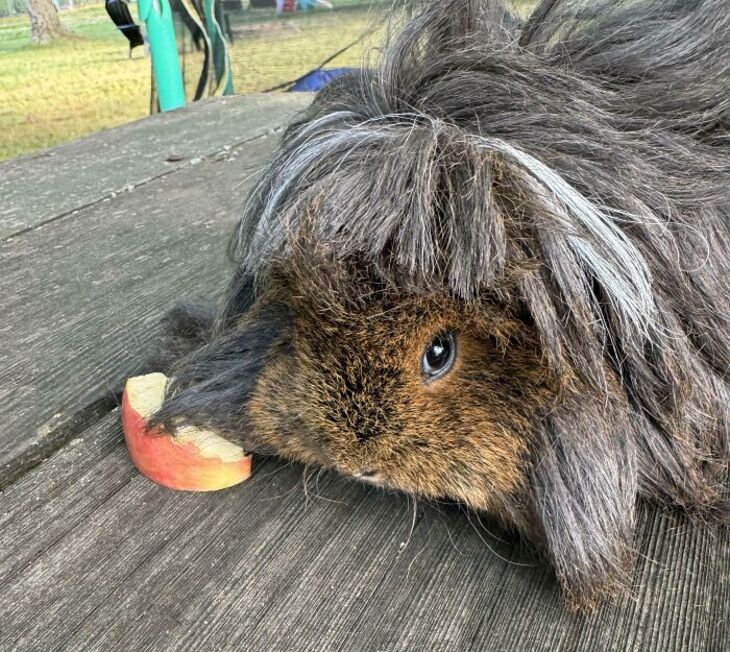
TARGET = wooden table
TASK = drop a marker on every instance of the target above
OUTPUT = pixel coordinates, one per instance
(99, 237)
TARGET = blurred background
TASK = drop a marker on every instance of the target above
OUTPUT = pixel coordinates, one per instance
(85, 78)
(69, 68)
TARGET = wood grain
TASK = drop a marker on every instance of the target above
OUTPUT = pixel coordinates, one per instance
(81, 297)
(95, 557)
(56, 182)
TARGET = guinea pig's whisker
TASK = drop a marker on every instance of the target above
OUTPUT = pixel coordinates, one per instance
(413, 561)
(318, 495)
(488, 531)
(305, 481)
(413, 520)
(451, 539)
(492, 550)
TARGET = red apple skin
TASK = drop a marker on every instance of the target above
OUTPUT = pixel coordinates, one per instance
(175, 464)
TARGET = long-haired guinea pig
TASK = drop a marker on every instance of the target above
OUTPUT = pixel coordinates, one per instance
(495, 268)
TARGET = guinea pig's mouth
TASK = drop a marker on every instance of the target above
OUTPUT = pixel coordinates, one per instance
(371, 477)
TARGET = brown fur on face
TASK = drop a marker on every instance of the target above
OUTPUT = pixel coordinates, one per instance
(344, 390)
(542, 190)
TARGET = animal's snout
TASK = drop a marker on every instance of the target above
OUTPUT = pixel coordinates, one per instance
(370, 476)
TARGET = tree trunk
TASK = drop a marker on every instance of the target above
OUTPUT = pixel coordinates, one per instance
(44, 21)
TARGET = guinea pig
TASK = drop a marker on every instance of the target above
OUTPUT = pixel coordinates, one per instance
(495, 268)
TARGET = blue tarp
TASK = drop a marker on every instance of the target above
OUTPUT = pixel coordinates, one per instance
(317, 79)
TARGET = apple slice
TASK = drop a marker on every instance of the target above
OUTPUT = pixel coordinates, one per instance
(192, 459)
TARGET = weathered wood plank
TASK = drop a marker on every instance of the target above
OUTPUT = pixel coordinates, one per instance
(43, 186)
(80, 298)
(133, 566)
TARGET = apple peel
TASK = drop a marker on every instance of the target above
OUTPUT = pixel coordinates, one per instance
(192, 460)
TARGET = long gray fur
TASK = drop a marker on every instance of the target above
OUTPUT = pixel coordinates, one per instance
(578, 165)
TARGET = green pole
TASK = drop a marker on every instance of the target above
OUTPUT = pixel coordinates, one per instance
(165, 65)
(221, 61)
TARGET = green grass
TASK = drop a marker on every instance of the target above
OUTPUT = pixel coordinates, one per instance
(70, 88)
(85, 83)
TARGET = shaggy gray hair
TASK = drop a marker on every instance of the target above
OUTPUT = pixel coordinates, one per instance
(577, 164)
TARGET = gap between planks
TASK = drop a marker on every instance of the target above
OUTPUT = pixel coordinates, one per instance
(57, 438)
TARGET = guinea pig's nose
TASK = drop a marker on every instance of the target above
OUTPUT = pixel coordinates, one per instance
(366, 474)
(373, 477)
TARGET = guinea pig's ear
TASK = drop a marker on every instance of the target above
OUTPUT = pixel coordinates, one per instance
(211, 386)
(584, 488)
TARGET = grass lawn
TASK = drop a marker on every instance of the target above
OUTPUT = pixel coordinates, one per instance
(70, 88)
(80, 85)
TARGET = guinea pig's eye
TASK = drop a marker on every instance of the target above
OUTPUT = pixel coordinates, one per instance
(439, 356)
